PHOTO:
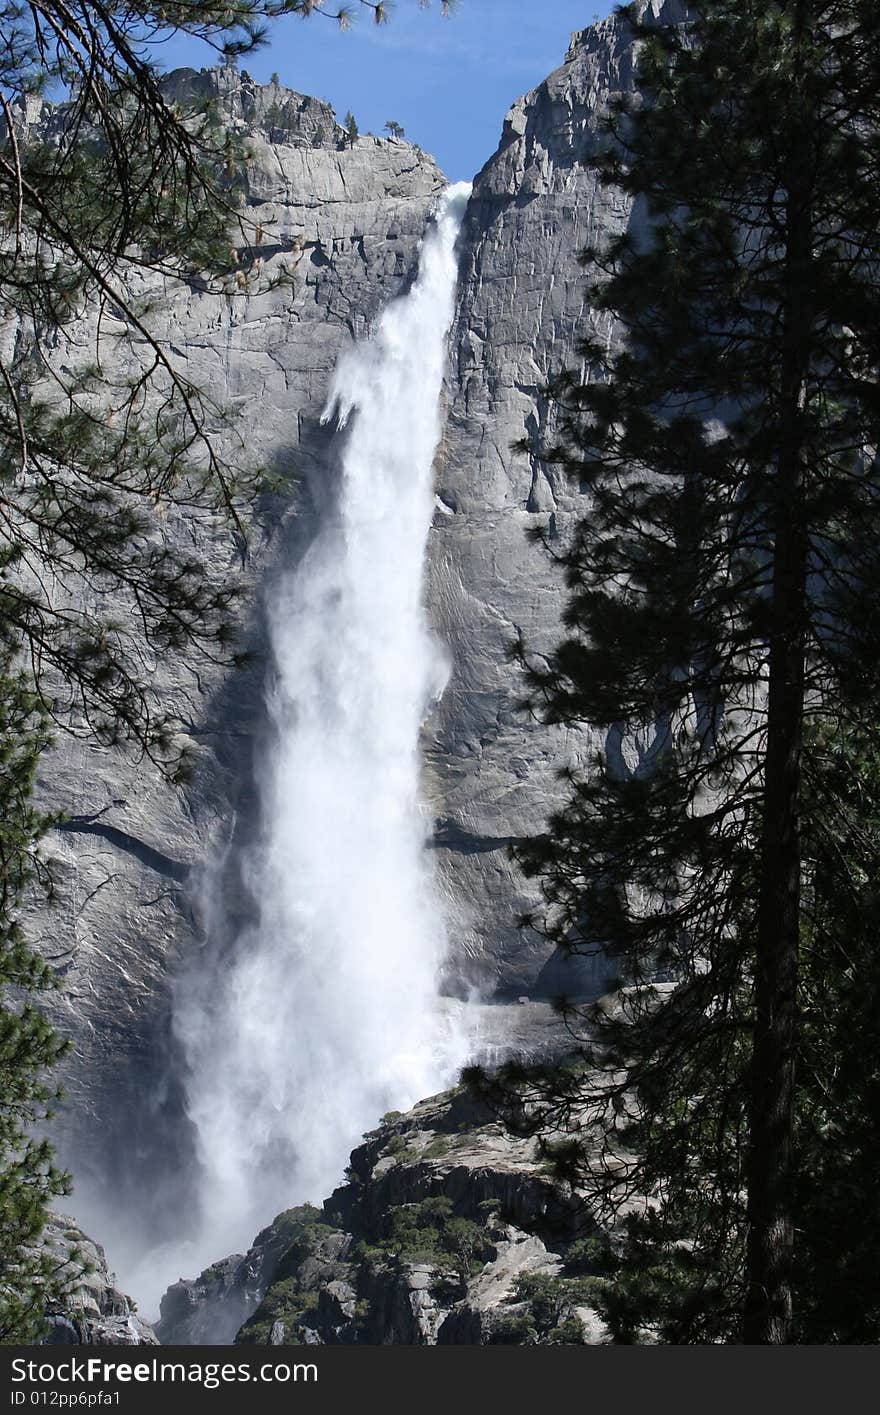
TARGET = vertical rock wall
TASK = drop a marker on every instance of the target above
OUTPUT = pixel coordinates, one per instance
(493, 771)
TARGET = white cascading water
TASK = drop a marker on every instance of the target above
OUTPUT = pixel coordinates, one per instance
(329, 1014)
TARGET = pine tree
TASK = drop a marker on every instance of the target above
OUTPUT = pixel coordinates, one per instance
(29, 1180)
(675, 1271)
(720, 605)
(352, 132)
(837, 1093)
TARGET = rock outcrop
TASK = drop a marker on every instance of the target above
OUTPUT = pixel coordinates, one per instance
(448, 1231)
(208, 1310)
(95, 1312)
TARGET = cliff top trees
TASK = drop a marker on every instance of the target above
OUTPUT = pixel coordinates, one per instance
(721, 594)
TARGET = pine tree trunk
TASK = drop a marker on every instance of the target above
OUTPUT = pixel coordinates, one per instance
(768, 1300)
(768, 1308)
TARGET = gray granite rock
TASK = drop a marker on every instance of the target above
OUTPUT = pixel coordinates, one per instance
(492, 770)
(95, 1311)
(209, 1309)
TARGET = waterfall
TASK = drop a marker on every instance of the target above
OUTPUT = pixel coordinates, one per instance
(329, 1014)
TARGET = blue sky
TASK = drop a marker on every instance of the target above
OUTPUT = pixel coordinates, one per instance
(449, 82)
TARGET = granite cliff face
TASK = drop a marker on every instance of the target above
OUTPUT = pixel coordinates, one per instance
(533, 208)
(138, 864)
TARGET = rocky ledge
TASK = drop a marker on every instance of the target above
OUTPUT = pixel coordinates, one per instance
(448, 1231)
